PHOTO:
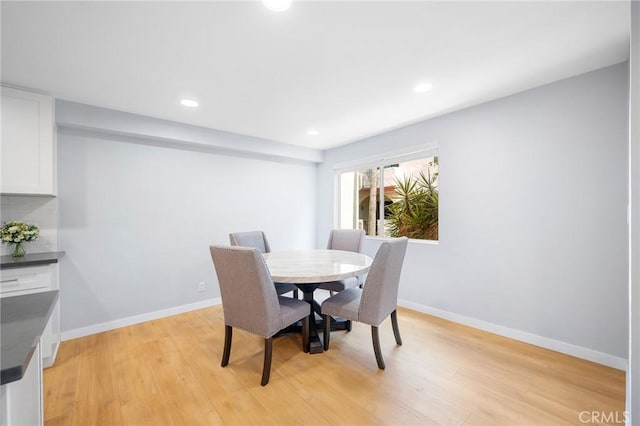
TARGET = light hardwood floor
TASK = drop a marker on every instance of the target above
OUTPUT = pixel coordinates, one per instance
(167, 372)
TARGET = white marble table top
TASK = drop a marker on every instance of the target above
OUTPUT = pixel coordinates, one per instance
(315, 266)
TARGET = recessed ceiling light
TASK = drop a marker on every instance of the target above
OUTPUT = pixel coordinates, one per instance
(277, 5)
(312, 132)
(189, 103)
(423, 87)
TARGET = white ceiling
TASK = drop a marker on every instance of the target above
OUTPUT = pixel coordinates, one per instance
(347, 69)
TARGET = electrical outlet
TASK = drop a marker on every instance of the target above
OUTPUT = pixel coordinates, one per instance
(201, 286)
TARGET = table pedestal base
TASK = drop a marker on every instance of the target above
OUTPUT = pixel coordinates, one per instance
(315, 344)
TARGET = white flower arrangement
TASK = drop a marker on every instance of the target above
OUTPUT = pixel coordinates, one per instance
(17, 232)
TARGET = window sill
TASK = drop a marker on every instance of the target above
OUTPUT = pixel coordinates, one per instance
(411, 240)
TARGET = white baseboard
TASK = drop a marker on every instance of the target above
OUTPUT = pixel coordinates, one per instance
(523, 336)
(136, 319)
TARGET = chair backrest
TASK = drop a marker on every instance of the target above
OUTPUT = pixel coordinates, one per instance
(249, 298)
(255, 239)
(380, 293)
(346, 239)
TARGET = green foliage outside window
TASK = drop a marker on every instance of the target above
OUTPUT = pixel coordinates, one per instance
(414, 212)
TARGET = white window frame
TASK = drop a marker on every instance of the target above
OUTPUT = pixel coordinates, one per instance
(379, 162)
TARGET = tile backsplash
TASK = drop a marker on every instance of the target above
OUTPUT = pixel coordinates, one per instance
(40, 210)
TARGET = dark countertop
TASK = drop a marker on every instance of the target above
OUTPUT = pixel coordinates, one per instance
(22, 321)
(30, 259)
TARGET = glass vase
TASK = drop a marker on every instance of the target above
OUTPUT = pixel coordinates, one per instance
(18, 250)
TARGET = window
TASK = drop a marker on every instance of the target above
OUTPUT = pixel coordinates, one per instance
(392, 197)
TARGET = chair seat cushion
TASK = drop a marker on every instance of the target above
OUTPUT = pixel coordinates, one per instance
(292, 310)
(339, 286)
(344, 304)
(282, 288)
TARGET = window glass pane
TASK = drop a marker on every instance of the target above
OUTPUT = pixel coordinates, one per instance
(405, 193)
(413, 189)
(359, 200)
(368, 200)
(348, 201)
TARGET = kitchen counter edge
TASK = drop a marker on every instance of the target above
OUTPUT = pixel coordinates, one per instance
(31, 259)
(23, 320)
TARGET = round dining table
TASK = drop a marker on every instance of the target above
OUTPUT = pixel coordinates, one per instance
(307, 269)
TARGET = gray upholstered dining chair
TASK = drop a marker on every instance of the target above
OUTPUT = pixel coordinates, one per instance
(250, 301)
(376, 301)
(258, 240)
(347, 240)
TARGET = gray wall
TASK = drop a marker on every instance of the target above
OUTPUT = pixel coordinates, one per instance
(533, 193)
(137, 217)
(633, 373)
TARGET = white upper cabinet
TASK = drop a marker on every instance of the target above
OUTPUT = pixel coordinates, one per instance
(27, 147)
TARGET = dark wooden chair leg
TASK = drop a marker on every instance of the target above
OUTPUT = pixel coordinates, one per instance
(376, 346)
(266, 369)
(305, 334)
(396, 330)
(326, 321)
(295, 294)
(228, 334)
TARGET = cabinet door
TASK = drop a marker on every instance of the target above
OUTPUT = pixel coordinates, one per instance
(27, 147)
(21, 402)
